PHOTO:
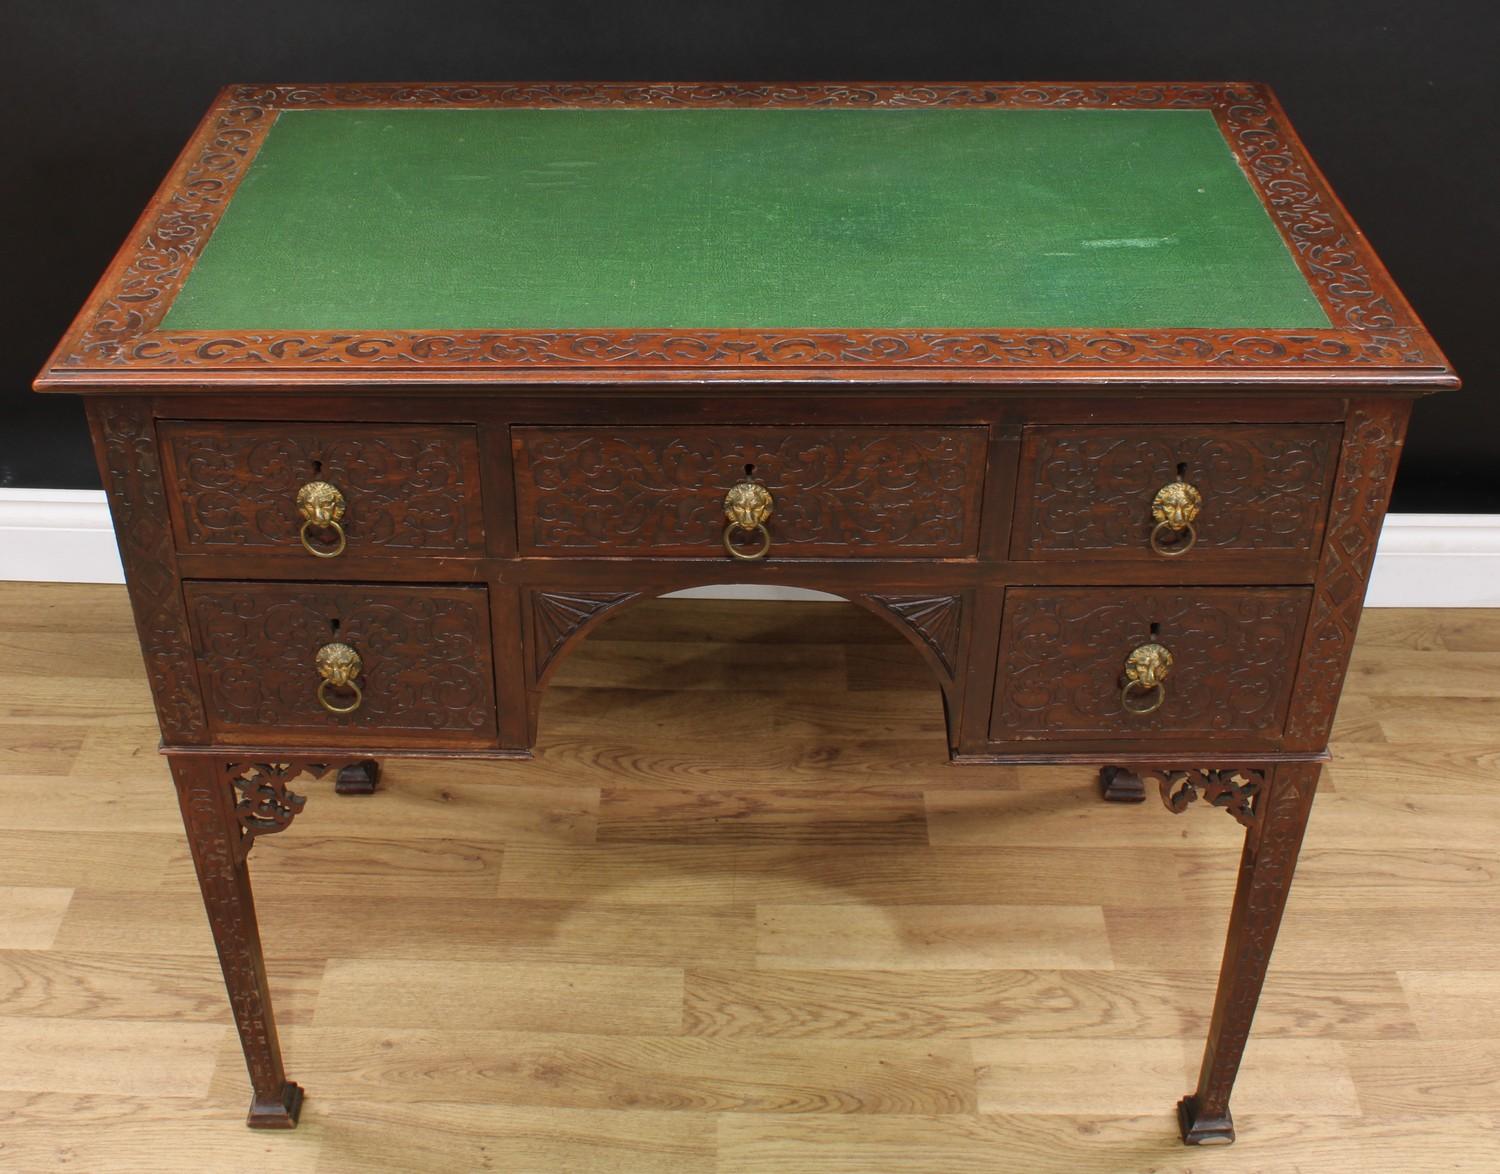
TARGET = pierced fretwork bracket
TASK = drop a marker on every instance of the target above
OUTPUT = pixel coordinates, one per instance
(266, 804)
(1234, 789)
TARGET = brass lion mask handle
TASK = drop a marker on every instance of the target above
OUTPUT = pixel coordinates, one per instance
(322, 508)
(748, 506)
(1175, 508)
(1146, 672)
(338, 665)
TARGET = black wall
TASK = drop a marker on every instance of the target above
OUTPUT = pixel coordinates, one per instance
(1395, 99)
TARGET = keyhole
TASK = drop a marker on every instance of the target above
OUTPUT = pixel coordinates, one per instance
(317, 467)
(749, 470)
(334, 624)
(1155, 631)
(1182, 471)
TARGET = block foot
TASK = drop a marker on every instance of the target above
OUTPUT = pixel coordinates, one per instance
(1119, 785)
(277, 1114)
(359, 778)
(1197, 1130)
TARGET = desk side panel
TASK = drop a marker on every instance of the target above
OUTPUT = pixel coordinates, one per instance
(1374, 433)
(125, 446)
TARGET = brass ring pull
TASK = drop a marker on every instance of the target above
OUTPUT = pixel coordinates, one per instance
(1173, 549)
(1157, 693)
(1175, 508)
(747, 556)
(1146, 670)
(338, 665)
(322, 507)
(313, 550)
(324, 686)
(748, 506)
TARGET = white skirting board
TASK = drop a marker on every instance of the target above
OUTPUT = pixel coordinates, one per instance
(1424, 560)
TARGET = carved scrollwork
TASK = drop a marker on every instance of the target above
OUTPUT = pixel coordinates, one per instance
(669, 95)
(1062, 652)
(425, 651)
(132, 473)
(910, 491)
(1367, 467)
(403, 487)
(265, 804)
(1371, 326)
(1090, 489)
(1233, 789)
(120, 325)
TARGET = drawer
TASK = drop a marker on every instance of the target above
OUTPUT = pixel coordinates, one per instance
(1061, 670)
(424, 675)
(403, 487)
(1088, 491)
(851, 492)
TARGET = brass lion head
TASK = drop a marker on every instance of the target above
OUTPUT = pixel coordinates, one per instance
(1176, 505)
(748, 504)
(338, 664)
(320, 503)
(1148, 665)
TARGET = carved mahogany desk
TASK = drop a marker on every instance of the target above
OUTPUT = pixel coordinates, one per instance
(1092, 391)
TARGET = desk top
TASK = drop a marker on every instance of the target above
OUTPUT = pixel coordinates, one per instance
(759, 219)
(623, 232)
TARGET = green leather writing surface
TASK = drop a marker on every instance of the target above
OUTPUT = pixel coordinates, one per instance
(772, 218)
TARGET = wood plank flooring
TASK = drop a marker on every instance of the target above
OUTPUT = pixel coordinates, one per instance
(740, 917)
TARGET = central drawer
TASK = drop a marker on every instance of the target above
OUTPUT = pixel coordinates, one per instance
(863, 492)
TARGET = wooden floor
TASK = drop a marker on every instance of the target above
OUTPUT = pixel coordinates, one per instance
(739, 916)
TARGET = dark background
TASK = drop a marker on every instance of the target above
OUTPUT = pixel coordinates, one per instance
(1395, 99)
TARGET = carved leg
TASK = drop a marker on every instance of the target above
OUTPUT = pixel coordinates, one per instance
(225, 805)
(1277, 819)
(358, 778)
(1119, 785)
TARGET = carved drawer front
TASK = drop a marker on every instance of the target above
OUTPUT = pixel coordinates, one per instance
(857, 492)
(1193, 493)
(1149, 662)
(351, 662)
(383, 488)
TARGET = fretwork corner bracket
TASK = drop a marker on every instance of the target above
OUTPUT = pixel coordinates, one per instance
(266, 804)
(1234, 789)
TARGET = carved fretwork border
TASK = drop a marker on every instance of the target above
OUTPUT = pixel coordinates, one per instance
(1373, 327)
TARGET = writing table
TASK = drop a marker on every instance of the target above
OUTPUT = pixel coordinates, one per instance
(1093, 391)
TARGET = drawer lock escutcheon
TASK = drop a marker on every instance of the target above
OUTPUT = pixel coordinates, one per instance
(322, 508)
(1175, 509)
(338, 665)
(748, 506)
(1146, 672)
